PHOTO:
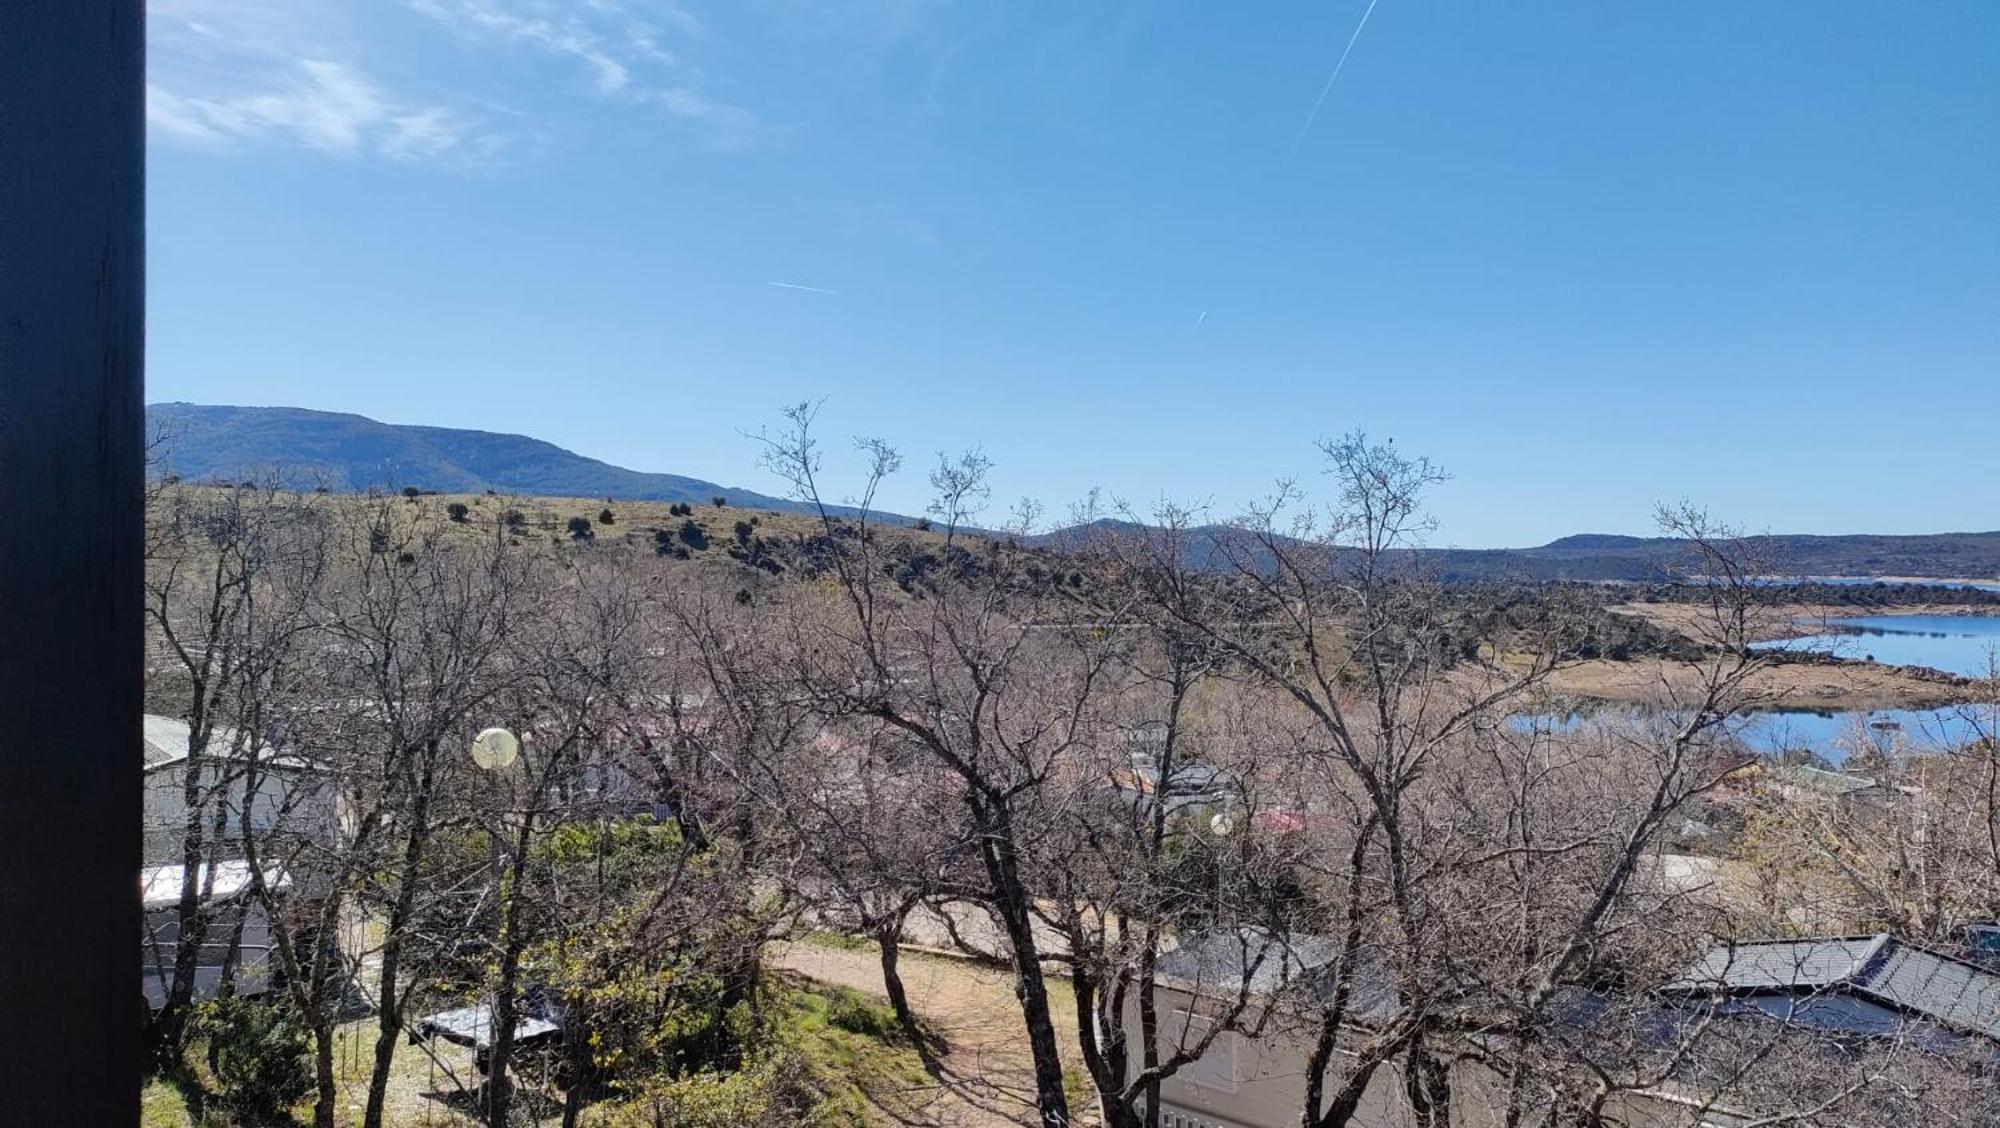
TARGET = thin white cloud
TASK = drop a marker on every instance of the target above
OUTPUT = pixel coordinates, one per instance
(550, 31)
(233, 72)
(623, 47)
(802, 286)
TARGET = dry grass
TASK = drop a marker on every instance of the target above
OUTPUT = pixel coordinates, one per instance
(1829, 686)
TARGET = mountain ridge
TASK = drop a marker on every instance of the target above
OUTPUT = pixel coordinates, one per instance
(346, 451)
(351, 452)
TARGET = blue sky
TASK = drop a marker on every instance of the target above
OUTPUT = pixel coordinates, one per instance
(1587, 255)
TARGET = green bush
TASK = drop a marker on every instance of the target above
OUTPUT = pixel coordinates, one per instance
(780, 1088)
(856, 1013)
(257, 1052)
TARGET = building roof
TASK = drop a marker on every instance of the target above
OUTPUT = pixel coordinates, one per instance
(166, 741)
(1878, 968)
(473, 1026)
(166, 744)
(161, 885)
(1216, 963)
(1778, 964)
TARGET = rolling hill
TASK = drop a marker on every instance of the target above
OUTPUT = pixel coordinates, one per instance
(352, 452)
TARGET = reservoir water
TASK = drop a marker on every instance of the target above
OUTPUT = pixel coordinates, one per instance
(1957, 644)
(1833, 736)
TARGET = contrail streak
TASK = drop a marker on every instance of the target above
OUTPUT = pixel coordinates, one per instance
(807, 289)
(1332, 78)
(1202, 318)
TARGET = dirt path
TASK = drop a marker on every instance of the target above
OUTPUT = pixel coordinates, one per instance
(989, 1076)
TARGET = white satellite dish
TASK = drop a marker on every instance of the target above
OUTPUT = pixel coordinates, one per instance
(1221, 825)
(495, 749)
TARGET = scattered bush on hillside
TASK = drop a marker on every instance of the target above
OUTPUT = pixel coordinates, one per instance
(719, 501)
(412, 492)
(753, 551)
(514, 519)
(457, 511)
(579, 528)
(692, 535)
(665, 544)
(605, 517)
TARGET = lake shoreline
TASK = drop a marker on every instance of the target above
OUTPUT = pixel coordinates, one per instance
(1828, 685)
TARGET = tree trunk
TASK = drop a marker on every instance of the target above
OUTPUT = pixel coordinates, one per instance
(326, 1093)
(890, 940)
(1106, 1064)
(190, 914)
(1338, 1110)
(572, 1106)
(1149, 1019)
(499, 1089)
(1011, 899)
(389, 1019)
(1427, 1085)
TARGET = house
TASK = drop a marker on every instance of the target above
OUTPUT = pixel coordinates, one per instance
(1242, 1081)
(1193, 789)
(1870, 986)
(1854, 988)
(237, 945)
(293, 794)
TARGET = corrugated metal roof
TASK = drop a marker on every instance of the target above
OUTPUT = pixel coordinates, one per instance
(1950, 992)
(166, 744)
(1215, 963)
(161, 885)
(1787, 964)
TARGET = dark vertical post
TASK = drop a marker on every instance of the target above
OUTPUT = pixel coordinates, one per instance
(72, 298)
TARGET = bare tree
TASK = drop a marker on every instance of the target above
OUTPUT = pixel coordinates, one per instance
(421, 635)
(988, 681)
(229, 580)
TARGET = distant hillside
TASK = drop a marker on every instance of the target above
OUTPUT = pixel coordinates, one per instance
(352, 452)
(1611, 558)
(1600, 557)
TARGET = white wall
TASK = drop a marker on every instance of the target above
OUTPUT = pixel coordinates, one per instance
(309, 795)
